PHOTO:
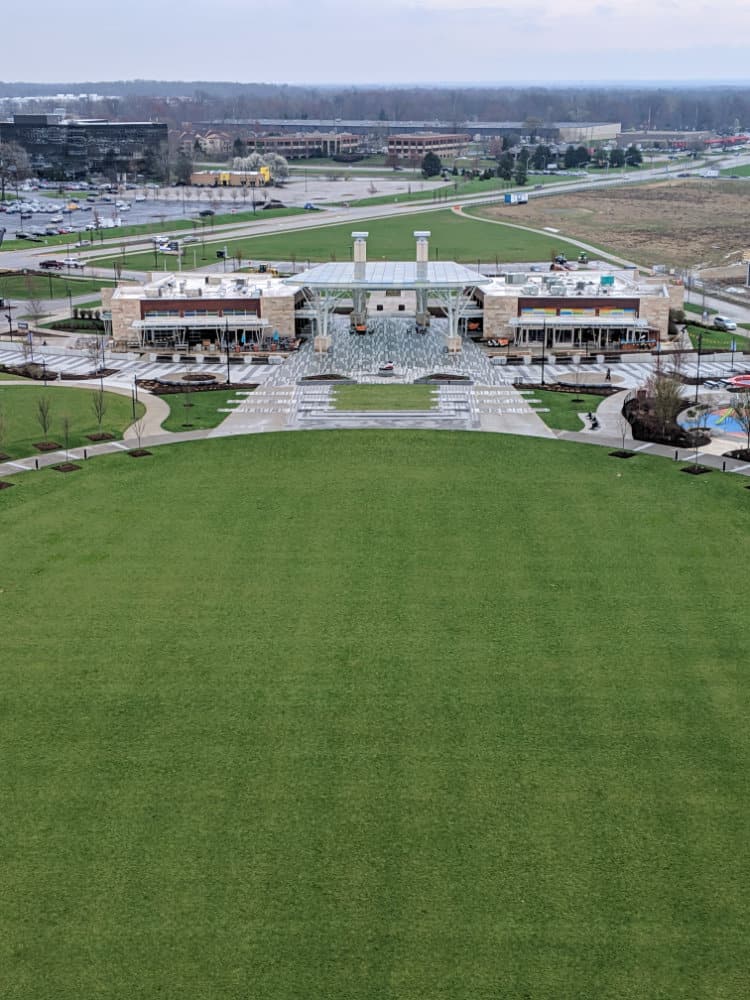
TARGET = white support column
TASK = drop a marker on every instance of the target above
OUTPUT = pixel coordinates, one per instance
(422, 236)
(360, 255)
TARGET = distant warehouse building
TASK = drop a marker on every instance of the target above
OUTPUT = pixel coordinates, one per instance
(61, 147)
(415, 147)
(302, 145)
(374, 128)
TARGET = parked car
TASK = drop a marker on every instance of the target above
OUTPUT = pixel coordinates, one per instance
(724, 323)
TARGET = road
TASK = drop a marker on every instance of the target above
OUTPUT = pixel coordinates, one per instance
(31, 257)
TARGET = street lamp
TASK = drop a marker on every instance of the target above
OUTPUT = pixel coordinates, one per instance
(226, 343)
(698, 368)
(544, 345)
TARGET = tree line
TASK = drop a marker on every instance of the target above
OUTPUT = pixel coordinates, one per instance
(719, 108)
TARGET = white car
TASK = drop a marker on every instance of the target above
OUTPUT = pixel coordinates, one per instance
(724, 323)
(72, 262)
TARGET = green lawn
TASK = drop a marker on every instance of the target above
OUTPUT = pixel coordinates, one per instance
(48, 286)
(693, 307)
(384, 397)
(717, 340)
(202, 408)
(740, 171)
(564, 408)
(19, 404)
(453, 238)
(374, 714)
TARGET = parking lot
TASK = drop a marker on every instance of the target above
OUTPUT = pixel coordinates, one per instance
(40, 215)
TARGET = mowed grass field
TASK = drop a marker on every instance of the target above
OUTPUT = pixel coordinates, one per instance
(374, 714)
(384, 397)
(199, 410)
(19, 406)
(453, 238)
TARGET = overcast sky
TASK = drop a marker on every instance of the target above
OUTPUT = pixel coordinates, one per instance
(384, 41)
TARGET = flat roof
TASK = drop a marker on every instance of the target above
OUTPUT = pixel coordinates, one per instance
(379, 275)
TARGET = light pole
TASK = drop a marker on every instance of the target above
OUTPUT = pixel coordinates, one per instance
(698, 368)
(226, 342)
(544, 344)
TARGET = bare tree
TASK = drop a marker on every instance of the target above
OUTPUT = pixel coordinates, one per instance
(698, 415)
(94, 346)
(666, 397)
(14, 165)
(139, 426)
(741, 410)
(44, 415)
(99, 406)
(34, 303)
(623, 426)
(65, 423)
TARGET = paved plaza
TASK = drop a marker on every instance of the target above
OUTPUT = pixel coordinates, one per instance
(493, 399)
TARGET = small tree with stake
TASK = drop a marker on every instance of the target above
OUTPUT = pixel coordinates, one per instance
(623, 425)
(698, 414)
(44, 415)
(99, 406)
(65, 423)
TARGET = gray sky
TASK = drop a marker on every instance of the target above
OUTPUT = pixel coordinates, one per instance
(345, 41)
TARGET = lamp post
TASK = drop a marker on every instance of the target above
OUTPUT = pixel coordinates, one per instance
(226, 343)
(544, 344)
(698, 368)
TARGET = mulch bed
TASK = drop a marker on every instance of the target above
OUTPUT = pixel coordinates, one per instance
(622, 454)
(30, 370)
(6, 486)
(103, 436)
(4, 457)
(164, 388)
(696, 470)
(47, 446)
(88, 376)
(139, 453)
(66, 467)
(742, 454)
